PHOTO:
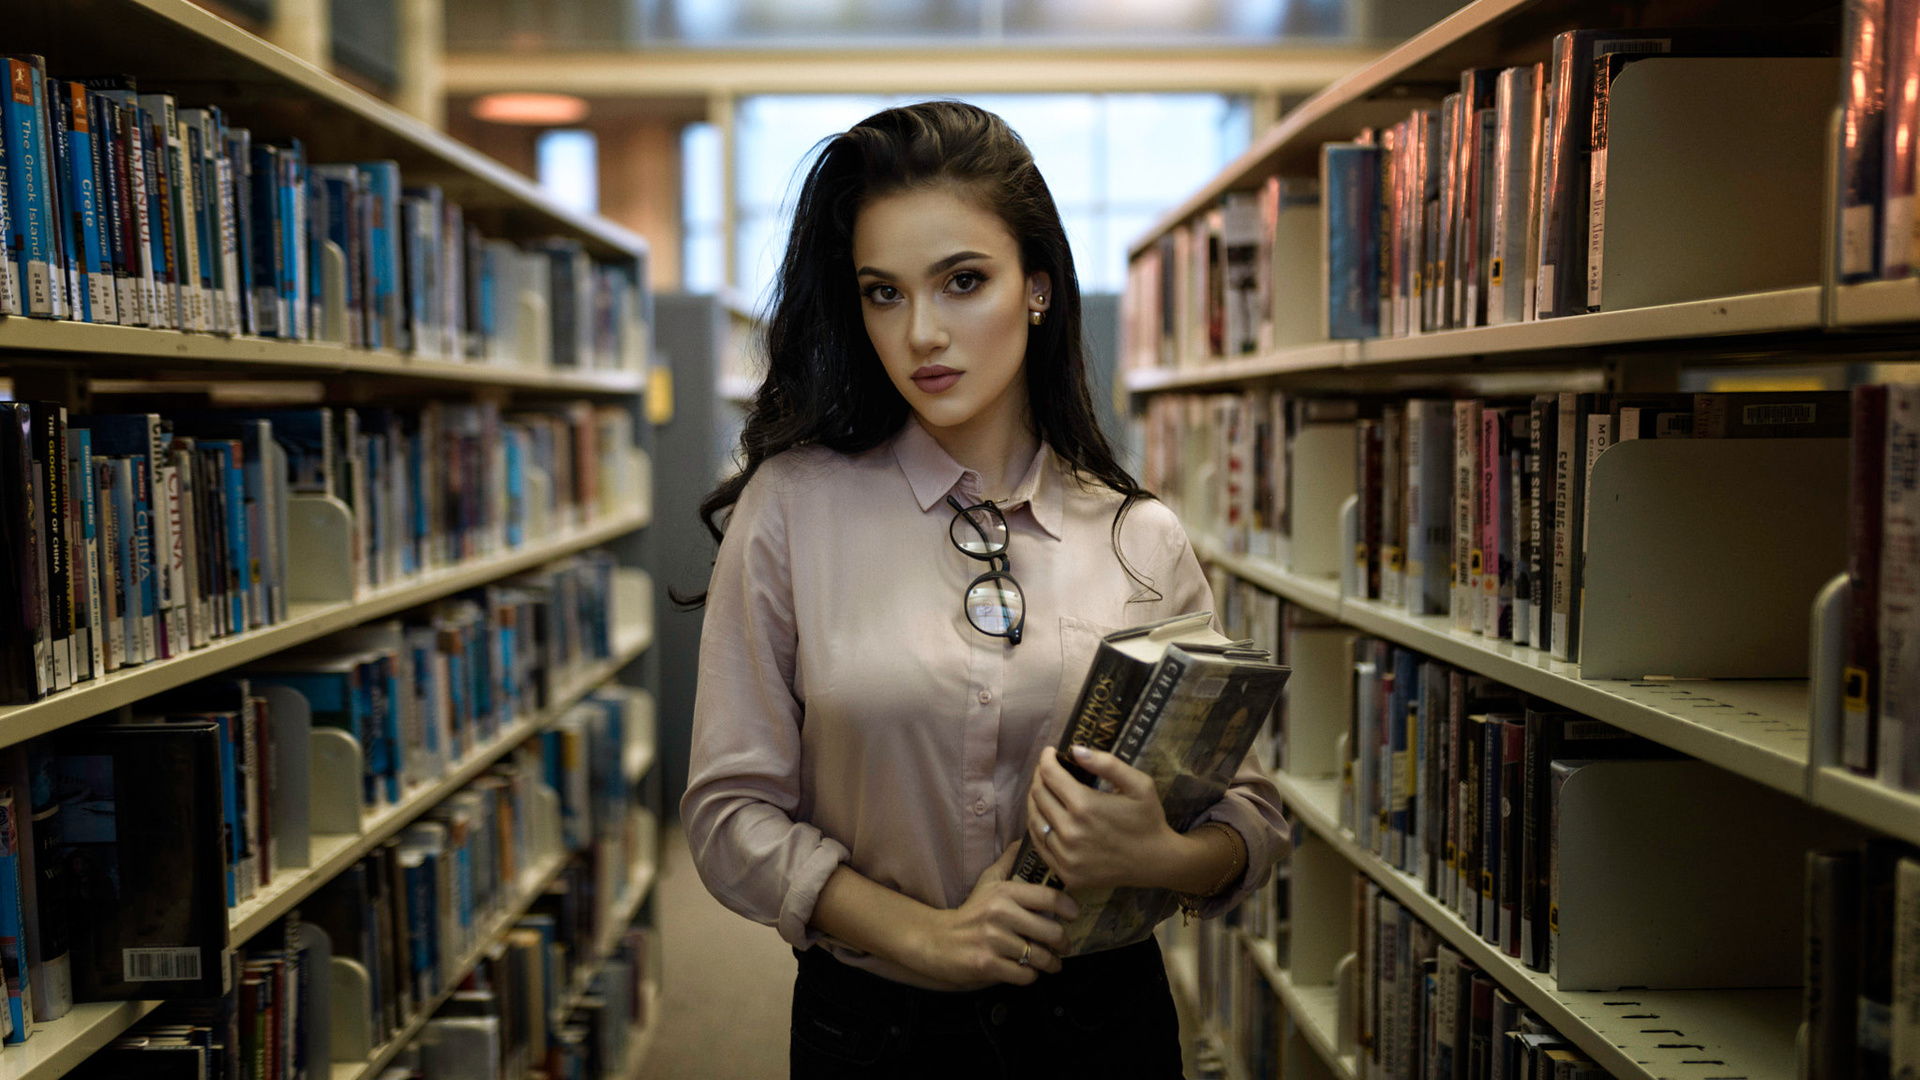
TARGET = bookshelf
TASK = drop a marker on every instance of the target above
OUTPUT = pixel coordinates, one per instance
(1772, 731)
(178, 47)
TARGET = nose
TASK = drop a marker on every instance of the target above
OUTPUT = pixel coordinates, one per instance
(925, 332)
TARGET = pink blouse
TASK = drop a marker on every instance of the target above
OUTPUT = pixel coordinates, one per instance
(847, 712)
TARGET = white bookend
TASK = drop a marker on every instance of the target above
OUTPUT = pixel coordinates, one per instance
(319, 543)
(351, 1017)
(1322, 478)
(1318, 696)
(1714, 172)
(334, 798)
(1678, 874)
(1704, 554)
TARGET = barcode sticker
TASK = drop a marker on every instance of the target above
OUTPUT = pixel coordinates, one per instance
(160, 965)
(1210, 688)
(1800, 412)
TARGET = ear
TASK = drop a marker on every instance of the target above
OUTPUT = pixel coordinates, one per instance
(1039, 291)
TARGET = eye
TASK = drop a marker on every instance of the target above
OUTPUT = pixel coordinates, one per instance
(881, 293)
(966, 281)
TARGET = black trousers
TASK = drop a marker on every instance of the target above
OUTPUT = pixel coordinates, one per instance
(1107, 1016)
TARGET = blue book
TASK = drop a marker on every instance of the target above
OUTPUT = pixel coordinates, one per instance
(293, 212)
(512, 436)
(229, 802)
(13, 924)
(30, 178)
(384, 683)
(1350, 187)
(382, 179)
(127, 562)
(239, 150)
(144, 555)
(92, 254)
(1406, 685)
(118, 230)
(194, 153)
(240, 575)
(266, 245)
(89, 648)
(66, 234)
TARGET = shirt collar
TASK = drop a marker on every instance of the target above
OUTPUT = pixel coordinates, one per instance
(933, 474)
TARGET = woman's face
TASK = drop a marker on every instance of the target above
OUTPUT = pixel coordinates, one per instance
(946, 304)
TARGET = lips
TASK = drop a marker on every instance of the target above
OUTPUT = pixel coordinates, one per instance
(934, 379)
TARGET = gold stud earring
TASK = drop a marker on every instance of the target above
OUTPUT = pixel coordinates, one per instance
(1036, 317)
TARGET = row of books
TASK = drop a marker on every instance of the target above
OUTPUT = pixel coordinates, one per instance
(124, 207)
(135, 537)
(1880, 701)
(1880, 117)
(421, 693)
(1862, 961)
(1451, 780)
(268, 1024)
(1475, 509)
(1487, 210)
(1427, 1011)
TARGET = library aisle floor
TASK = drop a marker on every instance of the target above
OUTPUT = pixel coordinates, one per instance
(728, 985)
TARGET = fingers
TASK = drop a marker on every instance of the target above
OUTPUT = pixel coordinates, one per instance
(1044, 900)
(1002, 867)
(1125, 778)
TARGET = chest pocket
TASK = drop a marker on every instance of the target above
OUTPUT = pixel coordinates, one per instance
(1079, 641)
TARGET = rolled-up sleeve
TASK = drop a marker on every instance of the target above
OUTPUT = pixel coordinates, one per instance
(1251, 805)
(744, 777)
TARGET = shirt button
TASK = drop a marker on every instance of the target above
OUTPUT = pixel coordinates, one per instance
(980, 808)
(986, 697)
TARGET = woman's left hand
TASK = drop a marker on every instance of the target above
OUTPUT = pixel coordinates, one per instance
(1099, 838)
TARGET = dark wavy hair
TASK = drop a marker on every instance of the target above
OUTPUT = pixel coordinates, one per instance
(825, 385)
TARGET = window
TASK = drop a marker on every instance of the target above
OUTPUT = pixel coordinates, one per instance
(1114, 163)
(568, 162)
(703, 264)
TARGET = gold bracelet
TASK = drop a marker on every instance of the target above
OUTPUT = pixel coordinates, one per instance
(1190, 902)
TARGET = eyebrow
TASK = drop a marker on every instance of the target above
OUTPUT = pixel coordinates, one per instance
(947, 263)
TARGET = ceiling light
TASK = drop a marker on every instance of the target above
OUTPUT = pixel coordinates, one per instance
(539, 110)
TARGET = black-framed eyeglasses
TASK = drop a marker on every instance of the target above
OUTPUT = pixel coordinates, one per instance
(993, 603)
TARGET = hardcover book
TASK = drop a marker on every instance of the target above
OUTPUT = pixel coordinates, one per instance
(1180, 702)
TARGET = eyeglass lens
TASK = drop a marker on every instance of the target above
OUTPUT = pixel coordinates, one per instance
(994, 604)
(979, 532)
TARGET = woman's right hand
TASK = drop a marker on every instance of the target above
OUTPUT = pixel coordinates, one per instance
(980, 942)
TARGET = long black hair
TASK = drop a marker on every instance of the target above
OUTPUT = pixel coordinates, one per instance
(825, 385)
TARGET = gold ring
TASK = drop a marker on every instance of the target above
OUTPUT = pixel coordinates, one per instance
(1026, 955)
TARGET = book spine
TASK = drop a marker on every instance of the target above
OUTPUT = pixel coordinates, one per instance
(1509, 813)
(162, 249)
(1904, 1041)
(1519, 523)
(1898, 759)
(129, 251)
(1597, 184)
(29, 176)
(87, 550)
(1832, 963)
(1493, 739)
(1451, 789)
(1863, 103)
(1366, 552)
(1480, 239)
(1393, 501)
(50, 465)
(1902, 125)
(112, 596)
(13, 927)
(1859, 711)
(1487, 596)
(1350, 181)
(1466, 514)
(1568, 456)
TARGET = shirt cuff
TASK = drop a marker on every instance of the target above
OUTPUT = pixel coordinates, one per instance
(1266, 846)
(803, 892)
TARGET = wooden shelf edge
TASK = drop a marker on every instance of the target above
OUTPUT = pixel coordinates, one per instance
(264, 909)
(311, 358)
(1317, 1029)
(1796, 309)
(57, 1047)
(1765, 734)
(1567, 1012)
(370, 1068)
(21, 722)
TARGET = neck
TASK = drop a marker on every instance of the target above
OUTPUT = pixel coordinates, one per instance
(999, 449)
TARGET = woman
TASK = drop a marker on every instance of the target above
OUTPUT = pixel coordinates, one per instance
(869, 747)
